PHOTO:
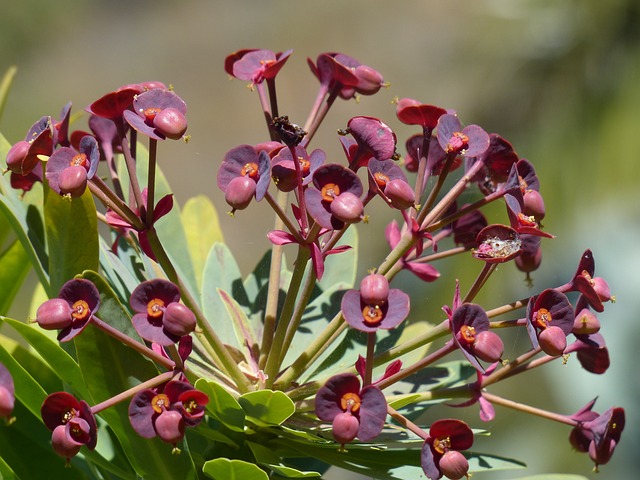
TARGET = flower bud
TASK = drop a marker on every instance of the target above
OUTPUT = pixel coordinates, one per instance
(178, 319)
(171, 122)
(347, 207)
(369, 80)
(453, 465)
(345, 427)
(7, 401)
(552, 341)
(586, 323)
(374, 289)
(73, 180)
(534, 205)
(16, 155)
(602, 289)
(400, 193)
(488, 346)
(240, 192)
(54, 314)
(170, 426)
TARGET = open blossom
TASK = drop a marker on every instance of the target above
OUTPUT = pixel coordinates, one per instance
(158, 114)
(68, 170)
(244, 174)
(441, 450)
(354, 412)
(255, 65)
(550, 319)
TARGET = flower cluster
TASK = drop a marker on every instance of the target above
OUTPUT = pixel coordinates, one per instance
(272, 350)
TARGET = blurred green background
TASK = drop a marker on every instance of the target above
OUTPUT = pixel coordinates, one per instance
(559, 79)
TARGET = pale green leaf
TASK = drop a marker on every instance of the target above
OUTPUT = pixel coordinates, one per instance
(225, 469)
(266, 407)
(222, 405)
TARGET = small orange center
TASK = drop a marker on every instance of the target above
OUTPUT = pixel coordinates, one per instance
(155, 308)
(80, 310)
(526, 220)
(150, 113)
(468, 334)
(330, 191)
(250, 169)
(442, 444)
(305, 166)
(372, 314)
(79, 160)
(381, 179)
(160, 402)
(542, 318)
(350, 402)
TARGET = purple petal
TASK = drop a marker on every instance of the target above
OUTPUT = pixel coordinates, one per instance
(327, 403)
(373, 412)
(141, 413)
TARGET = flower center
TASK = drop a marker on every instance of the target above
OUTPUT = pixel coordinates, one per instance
(155, 308)
(190, 406)
(150, 113)
(526, 220)
(457, 143)
(79, 160)
(468, 334)
(350, 402)
(330, 191)
(305, 166)
(250, 169)
(381, 179)
(586, 275)
(68, 415)
(372, 314)
(160, 402)
(542, 318)
(80, 310)
(442, 444)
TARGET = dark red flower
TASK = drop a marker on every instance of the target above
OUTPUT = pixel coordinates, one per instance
(373, 137)
(594, 289)
(354, 412)
(23, 157)
(423, 270)
(166, 411)
(346, 74)
(255, 65)
(412, 112)
(388, 181)
(550, 319)
(72, 423)
(158, 114)
(469, 141)
(243, 175)
(446, 436)
(113, 104)
(375, 306)
(69, 170)
(283, 170)
(498, 161)
(77, 302)
(598, 435)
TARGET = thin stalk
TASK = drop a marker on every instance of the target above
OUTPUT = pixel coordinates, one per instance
(154, 382)
(406, 423)
(521, 407)
(109, 199)
(131, 169)
(480, 280)
(371, 347)
(151, 181)
(278, 208)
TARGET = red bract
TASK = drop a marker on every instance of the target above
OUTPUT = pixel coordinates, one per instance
(72, 423)
(412, 112)
(77, 302)
(368, 312)
(113, 104)
(374, 139)
(165, 412)
(158, 114)
(342, 402)
(255, 65)
(520, 222)
(156, 320)
(345, 74)
(69, 170)
(549, 312)
(424, 271)
(447, 435)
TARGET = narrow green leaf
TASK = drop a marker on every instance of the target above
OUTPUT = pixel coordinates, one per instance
(221, 272)
(202, 230)
(479, 462)
(58, 359)
(5, 471)
(72, 236)
(222, 405)
(553, 476)
(225, 469)
(244, 331)
(5, 86)
(266, 457)
(14, 266)
(266, 407)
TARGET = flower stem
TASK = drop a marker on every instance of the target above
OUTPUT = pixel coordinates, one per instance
(496, 400)
(406, 423)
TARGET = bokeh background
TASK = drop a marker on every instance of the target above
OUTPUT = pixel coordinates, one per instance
(559, 79)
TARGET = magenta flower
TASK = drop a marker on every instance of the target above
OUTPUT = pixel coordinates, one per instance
(22, 157)
(7, 393)
(388, 181)
(166, 412)
(243, 175)
(158, 114)
(159, 317)
(354, 412)
(441, 450)
(255, 65)
(550, 319)
(113, 104)
(375, 306)
(343, 73)
(69, 170)
(469, 141)
(283, 170)
(335, 200)
(72, 423)
(77, 302)
(598, 435)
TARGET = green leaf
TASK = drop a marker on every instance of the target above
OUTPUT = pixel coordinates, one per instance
(118, 274)
(202, 230)
(58, 359)
(225, 469)
(266, 457)
(5, 471)
(479, 462)
(244, 332)
(14, 266)
(5, 86)
(340, 269)
(221, 272)
(72, 237)
(222, 405)
(553, 476)
(266, 407)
